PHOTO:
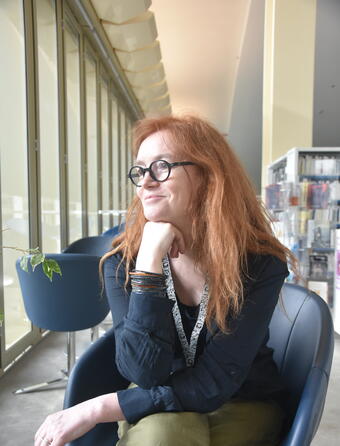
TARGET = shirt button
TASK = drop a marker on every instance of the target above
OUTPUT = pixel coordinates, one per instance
(232, 372)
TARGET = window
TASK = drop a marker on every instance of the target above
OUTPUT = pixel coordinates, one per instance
(116, 174)
(74, 190)
(62, 145)
(91, 144)
(105, 158)
(48, 125)
(123, 160)
(14, 173)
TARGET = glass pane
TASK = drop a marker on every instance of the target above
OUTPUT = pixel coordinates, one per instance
(73, 136)
(92, 155)
(123, 161)
(105, 156)
(129, 160)
(13, 147)
(115, 162)
(48, 115)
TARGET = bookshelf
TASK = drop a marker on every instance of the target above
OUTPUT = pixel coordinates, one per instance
(303, 197)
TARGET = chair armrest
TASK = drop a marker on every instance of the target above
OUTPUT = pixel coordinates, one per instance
(309, 411)
(95, 373)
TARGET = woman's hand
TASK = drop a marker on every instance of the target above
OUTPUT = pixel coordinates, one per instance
(66, 425)
(69, 424)
(159, 238)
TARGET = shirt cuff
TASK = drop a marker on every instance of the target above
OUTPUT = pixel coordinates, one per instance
(137, 403)
(149, 310)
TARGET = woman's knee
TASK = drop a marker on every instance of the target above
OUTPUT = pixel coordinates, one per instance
(240, 423)
(167, 429)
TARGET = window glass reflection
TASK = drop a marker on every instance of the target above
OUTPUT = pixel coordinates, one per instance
(105, 155)
(13, 158)
(91, 143)
(48, 125)
(73, 136)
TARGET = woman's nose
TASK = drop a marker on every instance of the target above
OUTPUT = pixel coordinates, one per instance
(147, 180)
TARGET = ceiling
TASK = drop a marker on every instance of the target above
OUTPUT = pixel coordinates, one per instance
(201, 43)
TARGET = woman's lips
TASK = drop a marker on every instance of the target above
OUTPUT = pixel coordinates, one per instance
(153, 197)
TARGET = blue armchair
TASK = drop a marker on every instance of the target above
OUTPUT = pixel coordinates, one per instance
(112, 232)
(96, 245)
(71, 302)
(301, 333)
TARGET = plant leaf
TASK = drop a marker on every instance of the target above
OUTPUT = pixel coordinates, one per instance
(47, 270)
(24, 263)
(36, 259)
(50, 266)
(34, 250)
(53, 265)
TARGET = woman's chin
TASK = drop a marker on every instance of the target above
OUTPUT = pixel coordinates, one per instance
(154, 216)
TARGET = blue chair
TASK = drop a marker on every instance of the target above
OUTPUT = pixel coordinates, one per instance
(96, 245)
(112, 232)
(302, 336)
(301, 333)
(71, 302)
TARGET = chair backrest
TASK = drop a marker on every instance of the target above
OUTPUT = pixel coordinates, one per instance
(97, 245)
(71, 302)
(112, 232)
(301, 334)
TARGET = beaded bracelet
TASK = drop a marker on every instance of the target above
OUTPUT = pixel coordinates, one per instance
(142, 281)
(147, 273)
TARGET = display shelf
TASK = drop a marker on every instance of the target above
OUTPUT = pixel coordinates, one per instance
(319, 177)
(303, 197)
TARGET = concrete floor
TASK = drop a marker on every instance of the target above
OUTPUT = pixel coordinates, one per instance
(21, 415)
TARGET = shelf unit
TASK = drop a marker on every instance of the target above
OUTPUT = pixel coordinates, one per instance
(303, 197)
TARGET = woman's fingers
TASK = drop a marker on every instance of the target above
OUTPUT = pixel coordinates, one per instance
(178, 245)
(40, 438)
(64, 426)
(159, 239)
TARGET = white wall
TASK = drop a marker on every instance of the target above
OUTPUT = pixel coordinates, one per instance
(245, 130)
(326, 130)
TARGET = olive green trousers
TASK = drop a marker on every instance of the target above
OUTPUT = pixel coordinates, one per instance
(236, 423)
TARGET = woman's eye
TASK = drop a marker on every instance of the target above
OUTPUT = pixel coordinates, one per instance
(162, 165)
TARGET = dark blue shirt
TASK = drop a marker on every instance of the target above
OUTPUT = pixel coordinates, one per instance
(148, 351)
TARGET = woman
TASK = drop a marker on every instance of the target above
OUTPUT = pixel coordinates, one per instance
(192, 283)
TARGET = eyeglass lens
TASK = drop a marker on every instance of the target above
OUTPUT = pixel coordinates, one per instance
(159, 171)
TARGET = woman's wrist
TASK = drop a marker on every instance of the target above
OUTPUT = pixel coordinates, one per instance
(148, 261)
(107, 409)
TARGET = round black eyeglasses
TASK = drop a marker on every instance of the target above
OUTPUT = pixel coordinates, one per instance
(159, 171)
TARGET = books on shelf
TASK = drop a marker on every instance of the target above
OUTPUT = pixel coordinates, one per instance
(306, 194)
(274, 196)
(336, 305)
(304, 199)
(318, 164)
(282, 195)
(318, 266)
(319, 234)
(318, 195)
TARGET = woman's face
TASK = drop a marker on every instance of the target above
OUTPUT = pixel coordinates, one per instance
(169, 200)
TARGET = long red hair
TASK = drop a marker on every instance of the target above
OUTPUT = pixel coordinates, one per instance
(228, 221)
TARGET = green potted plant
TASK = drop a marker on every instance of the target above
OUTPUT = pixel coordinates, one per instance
(35, 257)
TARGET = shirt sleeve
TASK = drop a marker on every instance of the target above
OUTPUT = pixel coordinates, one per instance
(144, 329)
(227, 358)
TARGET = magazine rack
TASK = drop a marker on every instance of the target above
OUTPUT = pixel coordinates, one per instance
(303, 196)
